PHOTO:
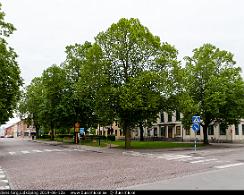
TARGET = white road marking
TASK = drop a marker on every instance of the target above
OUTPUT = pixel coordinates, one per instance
(191, 158)
(12, 153)
(57, 150)
(68, 150)
(204, 160)
(36, 150)
(80, 150)
(25, 152)
(48, 150)
(4, 181)
(4, 187)
(178, 157)
(228, 165)
(2, 176)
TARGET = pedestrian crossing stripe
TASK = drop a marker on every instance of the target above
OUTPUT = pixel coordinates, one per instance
(228, 165)
(44, 150)
(4, 187)
(204, 160)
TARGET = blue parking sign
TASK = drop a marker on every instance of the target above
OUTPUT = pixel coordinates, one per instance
(196, 127)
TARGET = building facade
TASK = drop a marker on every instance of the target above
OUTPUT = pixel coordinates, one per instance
(169, 127)
(19, 129)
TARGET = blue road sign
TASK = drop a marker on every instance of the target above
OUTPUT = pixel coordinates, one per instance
(196, 119)
(195, 127)
(82, 130)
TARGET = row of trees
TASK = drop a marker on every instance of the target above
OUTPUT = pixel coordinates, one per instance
(10, 80)
(129, 75)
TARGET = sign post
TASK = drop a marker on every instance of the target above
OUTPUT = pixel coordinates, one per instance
(196, 127)
(77, 128)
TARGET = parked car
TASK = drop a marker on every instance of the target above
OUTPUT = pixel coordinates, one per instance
(2, 136)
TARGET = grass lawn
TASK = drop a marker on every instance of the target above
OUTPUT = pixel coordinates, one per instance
(134, 144)
(155, 144)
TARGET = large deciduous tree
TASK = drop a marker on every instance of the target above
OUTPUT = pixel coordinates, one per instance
(30, 105)
(213, 88)
(130, 49)
(79, 103)
(54, 108)
(10, 80)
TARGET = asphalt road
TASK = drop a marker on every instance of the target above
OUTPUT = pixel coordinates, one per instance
(28, 165)
(231, 178)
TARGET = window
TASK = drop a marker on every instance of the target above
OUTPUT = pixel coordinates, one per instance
(148, 132)
(169, 117)
(155, 131)
(177, 115)
(162, 131)
(236, 129)
(178, 133)
(242, 126)
(211, 130)
(187, 131)
(162, 117)
(116, 133)
(222, 129)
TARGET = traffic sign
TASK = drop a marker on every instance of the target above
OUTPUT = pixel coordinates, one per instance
(195, 127)
(82, 130)
(196, 119)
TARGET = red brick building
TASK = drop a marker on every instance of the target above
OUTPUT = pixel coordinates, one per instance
(19, 129)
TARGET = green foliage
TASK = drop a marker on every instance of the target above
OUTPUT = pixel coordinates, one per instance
(11, 81)
(213, 88)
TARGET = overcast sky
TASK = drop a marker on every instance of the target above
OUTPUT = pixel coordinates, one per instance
(45, 27)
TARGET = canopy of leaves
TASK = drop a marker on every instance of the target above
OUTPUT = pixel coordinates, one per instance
(9, 73)
(213, 87)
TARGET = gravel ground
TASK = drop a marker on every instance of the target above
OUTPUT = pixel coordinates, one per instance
(100, 169)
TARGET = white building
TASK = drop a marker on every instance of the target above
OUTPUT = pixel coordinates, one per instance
(169, 126)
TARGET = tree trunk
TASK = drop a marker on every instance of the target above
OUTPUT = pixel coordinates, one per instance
(141, 132)
(52, 132)
(127, 136)
(37, 131)
(205, 134)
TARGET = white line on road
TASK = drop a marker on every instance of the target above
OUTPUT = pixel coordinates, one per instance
(4, 187)
(12, 153)
(4, 181)
(48, 150)
(177, 157)
(191, 158)
(228, 165)
(69, 150)
(25, 152)
(36, 150)
(80, 150)
(57, 150)
(2, 176)
(204, 160)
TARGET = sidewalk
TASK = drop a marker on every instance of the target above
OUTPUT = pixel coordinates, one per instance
(78, 146)
(200, 150)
